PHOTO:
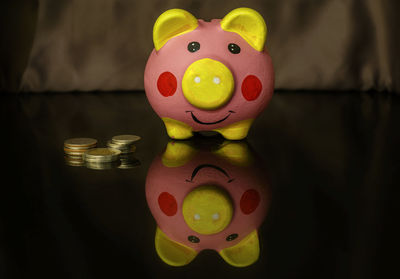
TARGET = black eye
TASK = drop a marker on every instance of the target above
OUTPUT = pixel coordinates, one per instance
(193, 239)
(231, 237)
(234, 48)
(193, 46)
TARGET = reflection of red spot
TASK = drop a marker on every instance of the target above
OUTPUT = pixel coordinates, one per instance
(251, 88)
(166, 84)
(249, 201)
(167, 204)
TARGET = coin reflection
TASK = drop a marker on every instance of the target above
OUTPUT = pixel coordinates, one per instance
(207, 195)
(128, 161)
(74, 161)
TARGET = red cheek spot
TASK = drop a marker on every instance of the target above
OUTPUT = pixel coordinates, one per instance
(167, 204)
(166, 84)
(251, 88)
(249, 201)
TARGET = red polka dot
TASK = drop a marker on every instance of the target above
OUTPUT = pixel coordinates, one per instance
(249, 201)
(166, 84)
(167, 204)
(251, 88)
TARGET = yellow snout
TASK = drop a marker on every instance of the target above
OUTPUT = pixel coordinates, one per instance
(207, 209)
(208, 84)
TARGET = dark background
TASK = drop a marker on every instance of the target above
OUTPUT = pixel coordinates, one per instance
(329, 137)
(67, 45)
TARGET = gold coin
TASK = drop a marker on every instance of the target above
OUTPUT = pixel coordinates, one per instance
(80, 143)
(101, 155)
(125, 139)
(101, 165)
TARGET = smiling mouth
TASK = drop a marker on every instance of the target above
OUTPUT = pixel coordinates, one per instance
(195, 119)
(198, 168)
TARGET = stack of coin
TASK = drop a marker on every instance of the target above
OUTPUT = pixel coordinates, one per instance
(102, 158)
(74, 149)
(124, 143)
(78, 146)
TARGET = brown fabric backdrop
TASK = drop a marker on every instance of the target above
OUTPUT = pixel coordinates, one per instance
(104, 44)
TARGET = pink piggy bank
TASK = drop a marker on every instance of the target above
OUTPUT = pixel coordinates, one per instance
(209, 76)
(207, 198)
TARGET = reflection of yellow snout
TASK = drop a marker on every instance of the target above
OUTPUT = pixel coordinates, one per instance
(207, 84)
(207, 209)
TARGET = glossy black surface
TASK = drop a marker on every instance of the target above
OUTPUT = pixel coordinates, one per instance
(333, 160)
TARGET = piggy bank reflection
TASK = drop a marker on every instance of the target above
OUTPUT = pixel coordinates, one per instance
(212, 196)
(209, 76)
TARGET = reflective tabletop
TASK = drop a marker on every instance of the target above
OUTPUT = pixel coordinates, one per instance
(310, 193)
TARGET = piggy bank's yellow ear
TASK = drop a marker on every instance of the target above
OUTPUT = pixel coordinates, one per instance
(245, 253)
(172, 23)
(172, 252)
(249, 24)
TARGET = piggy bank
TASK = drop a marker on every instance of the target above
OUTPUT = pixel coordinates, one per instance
(207, 198)
(209, 76)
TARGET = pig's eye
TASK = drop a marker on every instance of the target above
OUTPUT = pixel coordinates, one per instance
(231, 237)
(234, 48)
(193, 239)
(193, 46)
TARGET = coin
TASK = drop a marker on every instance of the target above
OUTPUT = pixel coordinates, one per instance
(80, 143)
(124, 148)
(101, 155)
(101, 165)
(125, 139)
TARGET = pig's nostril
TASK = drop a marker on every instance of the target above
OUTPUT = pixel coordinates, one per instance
(215, 216)
(197, 79)
(216, 80)
(197, 216)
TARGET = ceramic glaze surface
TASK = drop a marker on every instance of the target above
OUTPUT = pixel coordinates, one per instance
(207, 78)
(207, 199)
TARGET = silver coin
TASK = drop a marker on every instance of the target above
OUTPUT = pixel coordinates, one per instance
(117, 145)
(101, 155)
(124, 148)
(80, 142)
(125, 139)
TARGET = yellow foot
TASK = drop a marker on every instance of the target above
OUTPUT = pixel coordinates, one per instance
(177, 154)
(235, 152)
(177, 129)
(237, 130)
